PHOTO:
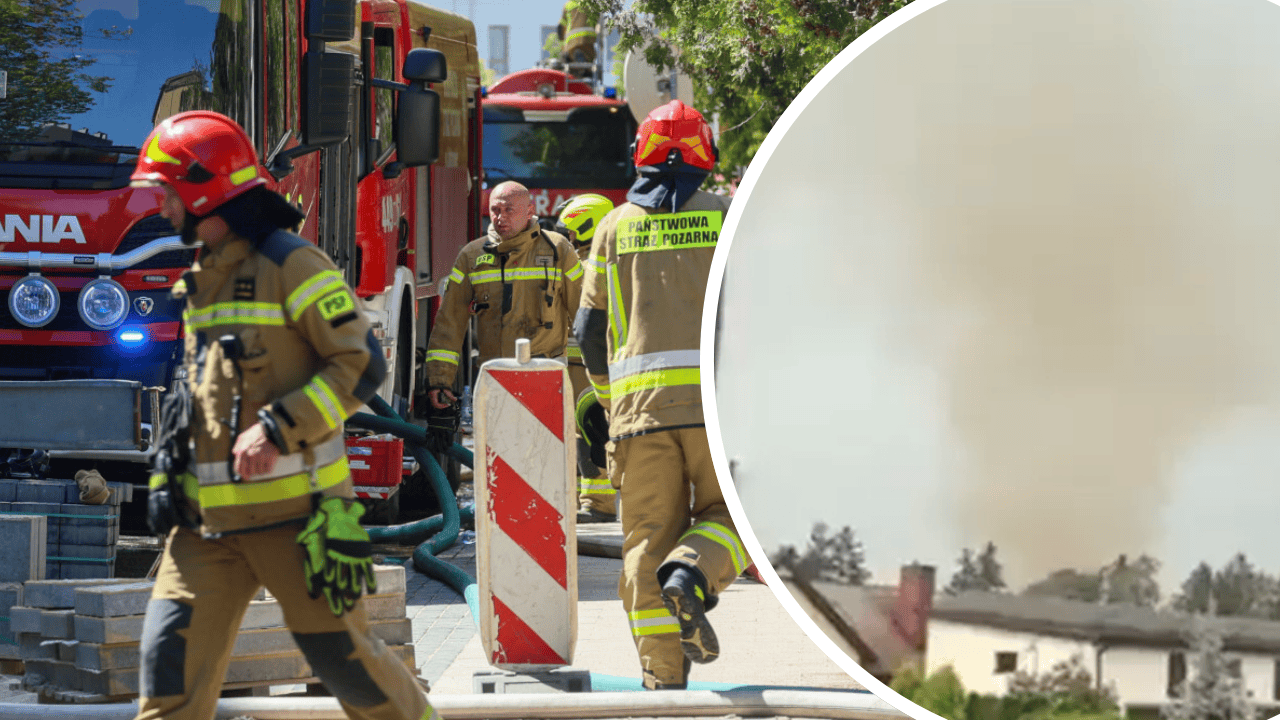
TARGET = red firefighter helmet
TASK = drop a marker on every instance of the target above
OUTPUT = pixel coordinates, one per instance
(206, 157)
(675, 126)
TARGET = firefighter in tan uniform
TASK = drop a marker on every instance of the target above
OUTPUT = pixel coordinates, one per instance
(597, 498)
(519, 281)
(577, 33)
(639, 329)
(256, 490)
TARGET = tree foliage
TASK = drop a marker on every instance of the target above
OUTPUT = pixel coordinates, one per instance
(748, 58)
(1120, 582)
(1213, 689)
(980, 572)
(1237, 590)
(1068, 687)
(1066, 692)
(941, 692)
(833, 558)
(47, 82)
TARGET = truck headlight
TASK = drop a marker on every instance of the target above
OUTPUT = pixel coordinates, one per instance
(33, 300)
(103, 304)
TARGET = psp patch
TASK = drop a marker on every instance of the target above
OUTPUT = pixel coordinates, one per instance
(243, 289)
(335, 304)
(486, 259)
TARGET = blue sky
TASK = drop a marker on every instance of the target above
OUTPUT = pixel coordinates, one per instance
(525, 18)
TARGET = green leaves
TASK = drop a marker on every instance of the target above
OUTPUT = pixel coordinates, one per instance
(748, 58)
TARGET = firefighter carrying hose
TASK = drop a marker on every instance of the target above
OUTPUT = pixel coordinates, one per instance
(639, 329)
(578, 218)
(519, 281)
(271, 327)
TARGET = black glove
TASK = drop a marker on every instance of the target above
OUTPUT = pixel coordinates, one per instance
(442, 425)
(593, 425)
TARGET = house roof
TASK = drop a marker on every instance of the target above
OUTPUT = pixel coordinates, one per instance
(865, 611)
(1108, 624)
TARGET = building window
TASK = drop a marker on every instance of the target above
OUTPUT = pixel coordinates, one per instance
(1177, 673)
(1006, 662)
(1233, 668)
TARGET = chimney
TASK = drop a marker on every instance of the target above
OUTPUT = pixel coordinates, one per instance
(913, 605)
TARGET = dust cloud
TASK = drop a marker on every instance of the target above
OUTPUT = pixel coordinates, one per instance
(1086, 355)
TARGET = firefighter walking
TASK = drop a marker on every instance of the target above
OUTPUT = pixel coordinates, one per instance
(578, 219)
(639, 329)
(518, 281)
(251, 485)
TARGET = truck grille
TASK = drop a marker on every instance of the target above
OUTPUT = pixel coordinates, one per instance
(87, 363)
(151, 228)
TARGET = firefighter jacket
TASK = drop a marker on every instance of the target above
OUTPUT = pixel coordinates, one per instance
(307, 361)
(648, 269)
(579, 33)
(524, 287)
(572, 352)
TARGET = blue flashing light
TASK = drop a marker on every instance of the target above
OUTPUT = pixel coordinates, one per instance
(610, 93)
(131, 338)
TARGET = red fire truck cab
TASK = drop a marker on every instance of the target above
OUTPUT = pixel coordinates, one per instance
(365, 113)
(554, 134)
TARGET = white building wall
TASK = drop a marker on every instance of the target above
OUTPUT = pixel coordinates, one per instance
(1140, 676)
(1260, 677)
(971, 651)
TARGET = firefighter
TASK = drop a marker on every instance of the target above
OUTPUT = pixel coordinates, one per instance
(256, 490)
(639, 328)
(519, 281)
(577, 220)
(577, 32)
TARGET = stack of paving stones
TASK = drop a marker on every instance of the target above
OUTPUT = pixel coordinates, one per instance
(81, 539)
(79, 638)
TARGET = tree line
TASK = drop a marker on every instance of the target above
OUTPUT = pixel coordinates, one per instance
(1236, 589)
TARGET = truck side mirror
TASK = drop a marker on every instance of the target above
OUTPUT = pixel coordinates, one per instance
(418, 127)
(425, 65)
(330, 79)
(331, 19)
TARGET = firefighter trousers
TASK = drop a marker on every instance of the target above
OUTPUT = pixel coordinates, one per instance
(595, 490)
(201, 593)
(672, 511)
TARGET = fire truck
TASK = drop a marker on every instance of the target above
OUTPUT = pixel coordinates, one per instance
(365, 113)
(557, 135)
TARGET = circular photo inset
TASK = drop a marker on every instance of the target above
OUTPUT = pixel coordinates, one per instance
(997, 367)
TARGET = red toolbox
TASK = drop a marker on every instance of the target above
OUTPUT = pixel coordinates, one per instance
(377, 465)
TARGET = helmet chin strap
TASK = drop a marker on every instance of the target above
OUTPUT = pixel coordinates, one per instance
(188, 231)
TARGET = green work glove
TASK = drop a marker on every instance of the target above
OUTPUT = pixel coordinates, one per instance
(338, 556)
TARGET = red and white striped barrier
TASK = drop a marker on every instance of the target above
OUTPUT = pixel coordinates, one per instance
(527, 549)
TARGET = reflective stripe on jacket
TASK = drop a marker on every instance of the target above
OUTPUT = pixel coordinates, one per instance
(648, 270)
(525, 287)
(308, 361)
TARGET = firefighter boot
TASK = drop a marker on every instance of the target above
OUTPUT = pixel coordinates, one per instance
(685, 595)
(652, 683)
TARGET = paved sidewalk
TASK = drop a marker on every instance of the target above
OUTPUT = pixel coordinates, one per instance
(760, 642)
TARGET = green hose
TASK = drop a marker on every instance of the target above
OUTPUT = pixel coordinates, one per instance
(424, 556)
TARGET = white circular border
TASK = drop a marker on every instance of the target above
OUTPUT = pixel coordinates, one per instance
(710, 311)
